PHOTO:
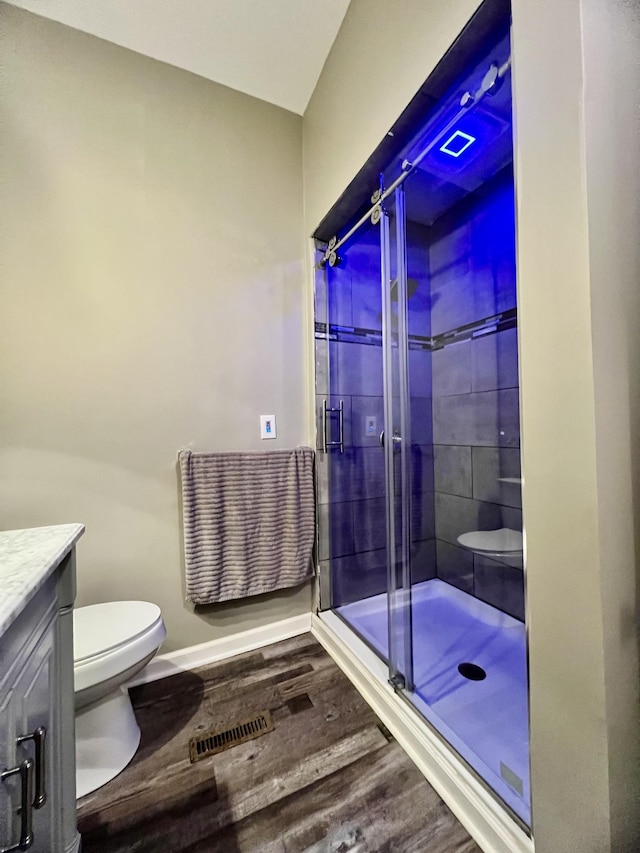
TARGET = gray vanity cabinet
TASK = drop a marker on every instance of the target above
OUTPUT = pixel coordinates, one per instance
(37, 794)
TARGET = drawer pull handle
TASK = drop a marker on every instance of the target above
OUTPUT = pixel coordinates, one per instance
(25, 771)
(39, 737)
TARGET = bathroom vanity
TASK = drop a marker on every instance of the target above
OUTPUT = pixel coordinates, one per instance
(37, 751)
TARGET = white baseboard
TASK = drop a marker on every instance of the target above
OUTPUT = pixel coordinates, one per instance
(225, 647)
(491, 827)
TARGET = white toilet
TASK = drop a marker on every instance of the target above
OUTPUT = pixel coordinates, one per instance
(112, 642)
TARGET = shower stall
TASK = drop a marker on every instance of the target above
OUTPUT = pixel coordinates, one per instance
(417, 399)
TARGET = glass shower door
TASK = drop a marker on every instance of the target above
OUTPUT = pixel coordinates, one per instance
(418, 407)
(468, 640)
(350, 415)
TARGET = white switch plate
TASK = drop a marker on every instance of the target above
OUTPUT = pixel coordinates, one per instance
(267, 426)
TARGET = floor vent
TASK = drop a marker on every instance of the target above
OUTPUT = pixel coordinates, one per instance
(218, 740)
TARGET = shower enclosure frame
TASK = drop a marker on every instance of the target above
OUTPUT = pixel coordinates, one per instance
(328, 626)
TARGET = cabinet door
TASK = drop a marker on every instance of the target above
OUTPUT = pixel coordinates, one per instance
(26, 725)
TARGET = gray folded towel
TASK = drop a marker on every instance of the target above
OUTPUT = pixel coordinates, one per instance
(249, 522)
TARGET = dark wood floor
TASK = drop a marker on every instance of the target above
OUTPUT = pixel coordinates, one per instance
(328, 778)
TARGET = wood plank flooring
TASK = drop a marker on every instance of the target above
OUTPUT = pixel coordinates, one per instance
(328, 778)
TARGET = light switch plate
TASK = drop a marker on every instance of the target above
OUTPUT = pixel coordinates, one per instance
(267, 426)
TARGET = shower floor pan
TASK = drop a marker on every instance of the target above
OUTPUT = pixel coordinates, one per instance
(486, 721)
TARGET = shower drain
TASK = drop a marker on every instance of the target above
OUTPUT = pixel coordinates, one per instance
(472, 671)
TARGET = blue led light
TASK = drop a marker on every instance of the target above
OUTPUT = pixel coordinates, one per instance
(461, 142)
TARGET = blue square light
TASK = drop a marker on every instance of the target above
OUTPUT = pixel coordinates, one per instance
(457, 143)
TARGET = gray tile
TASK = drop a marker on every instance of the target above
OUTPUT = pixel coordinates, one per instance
(452, 469)
(449, 255)
(369, 524)
(362, 261)
(358, 576)
(421, 420)
(322, 367)
(368, 421)
(356, 474)
(500, 585)
(419, 369)
(335, 530)
(455, 566)
(473, 267)
(320, 293)
(322, 477)
(451, 369)
(419, 305)
(491, 467)
(420, 373)
(356, 369)
(455, 515)
(511, 517)
(423, 523)
(488, 419)
(423, 561)
(421, 470)
(459, 301)
(494, 361)
(339, 301)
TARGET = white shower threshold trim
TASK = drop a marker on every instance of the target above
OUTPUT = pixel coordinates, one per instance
(224, 647)
(490, 826)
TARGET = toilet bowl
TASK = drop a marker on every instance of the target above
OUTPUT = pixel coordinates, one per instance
(504, 545)
(112, 642)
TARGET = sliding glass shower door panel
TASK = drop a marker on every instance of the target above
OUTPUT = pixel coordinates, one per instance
(351, 470)
(468, 633)
(418, 407)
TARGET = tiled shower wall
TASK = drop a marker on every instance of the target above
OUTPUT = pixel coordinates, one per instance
(464, 409)
(476, 430)
(351, 485)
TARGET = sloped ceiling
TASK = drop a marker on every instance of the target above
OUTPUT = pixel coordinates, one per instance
(271, 49)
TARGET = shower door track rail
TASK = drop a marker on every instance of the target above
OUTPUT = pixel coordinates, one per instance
(490, 82)
(469, 799)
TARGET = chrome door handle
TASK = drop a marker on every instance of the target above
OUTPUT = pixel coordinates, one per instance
(326, 411)
(25, 771)
(396, 438)
(39, 738)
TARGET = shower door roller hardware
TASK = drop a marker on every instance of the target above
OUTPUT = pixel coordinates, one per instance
(396, 438)
(326, 411)
(39, 738)
(25, 771)
(397, 682)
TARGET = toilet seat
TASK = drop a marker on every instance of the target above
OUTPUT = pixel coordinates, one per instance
(111, 638)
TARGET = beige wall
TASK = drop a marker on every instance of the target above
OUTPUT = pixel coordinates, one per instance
(611, 36)
(153, 299)
(564, 607)
(578, 132)
(576, 85)
(382, 55)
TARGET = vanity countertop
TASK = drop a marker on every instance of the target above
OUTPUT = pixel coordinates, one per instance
(27, 558)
